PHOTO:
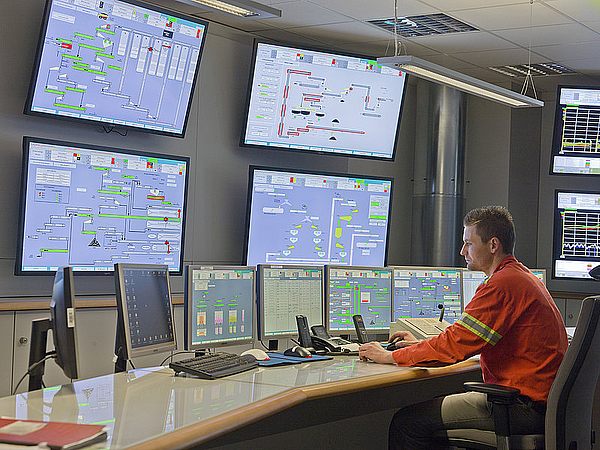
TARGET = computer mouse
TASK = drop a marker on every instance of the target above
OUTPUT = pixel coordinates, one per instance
(259, 354)
(298, 351)
(391, 346)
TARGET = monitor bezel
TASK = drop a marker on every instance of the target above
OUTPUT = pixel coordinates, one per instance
(38, 55)
(250, 193)
(460, 271)
(27, 140)
(260, 303)
(315, 152)
(124, 316)
(557, 231)
(64, 336)
(556, 138)
(188, 316)
(326, 292)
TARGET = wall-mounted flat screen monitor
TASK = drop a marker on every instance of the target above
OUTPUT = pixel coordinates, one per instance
(317, 218)
(576, 248)
(576, 143)
(118, 63)
(283, 293)
(219, 306)
(144, 310)
(422, 291)
(90, 207)
(316, 101)
(358, 290)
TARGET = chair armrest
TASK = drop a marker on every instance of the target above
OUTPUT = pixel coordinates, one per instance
(496, 392)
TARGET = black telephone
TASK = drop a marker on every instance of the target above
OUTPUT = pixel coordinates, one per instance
(317, 343)
(361, 331)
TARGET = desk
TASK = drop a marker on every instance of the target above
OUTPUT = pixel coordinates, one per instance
(150, 408)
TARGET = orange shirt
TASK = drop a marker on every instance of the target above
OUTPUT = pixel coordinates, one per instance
(513, 323)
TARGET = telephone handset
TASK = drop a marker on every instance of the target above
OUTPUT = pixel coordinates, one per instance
(317, 343)
(361, 331)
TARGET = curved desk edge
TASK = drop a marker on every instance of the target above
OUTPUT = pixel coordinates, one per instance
(206, 430)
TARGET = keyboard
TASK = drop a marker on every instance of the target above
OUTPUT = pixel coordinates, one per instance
(215, 365)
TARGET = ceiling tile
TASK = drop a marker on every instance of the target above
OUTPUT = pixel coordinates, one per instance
(385, 48)
(499, 57)
(594, 26)
(589, 65)
(580, 10)
(510, 16)
(582, 50)
(376, 9)
(463, 42)
(450, 62)
(488, 75)
(569, 33)
(236, 22)
(303, 13)
(287, 37)
(345, 32)
(454, 5)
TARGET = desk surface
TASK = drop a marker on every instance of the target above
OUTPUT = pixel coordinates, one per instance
(151, 408)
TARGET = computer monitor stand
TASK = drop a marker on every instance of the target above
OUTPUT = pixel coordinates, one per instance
(37, 351)
(120, 358)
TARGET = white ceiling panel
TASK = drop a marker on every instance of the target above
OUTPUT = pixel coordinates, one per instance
(303, 13)
(499, 57)
(583, 50)
(510, 16)
(588, 66)
(287, 37)
(454, 5)
(345, 32)
(376, 9)
(580, 10)
(450, 62)
(569, 33)
(463, 42)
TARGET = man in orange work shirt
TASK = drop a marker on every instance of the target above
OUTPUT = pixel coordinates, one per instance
(512, 322)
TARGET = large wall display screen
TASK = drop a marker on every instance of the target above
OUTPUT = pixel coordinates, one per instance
(90, 207)
(317, 218)
(118, 63)
(314, 101)
(576, 145)
(576, 234)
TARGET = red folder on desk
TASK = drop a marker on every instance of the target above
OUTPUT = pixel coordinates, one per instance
(56, 435)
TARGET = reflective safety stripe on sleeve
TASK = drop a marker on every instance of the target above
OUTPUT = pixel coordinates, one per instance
(479, 328)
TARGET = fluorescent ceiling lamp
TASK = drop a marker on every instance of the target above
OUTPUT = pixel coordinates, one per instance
(460, 81)
(240, 8)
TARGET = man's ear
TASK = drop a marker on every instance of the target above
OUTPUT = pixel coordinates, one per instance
(495, 245)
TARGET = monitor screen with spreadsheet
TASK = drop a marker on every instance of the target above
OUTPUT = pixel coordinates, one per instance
(420, 292)
(219, 306)
(576, 143)
(283, 293)
(90, 207)
(317, 218)
(144, 310)
(313, 101)
(576, 248)
(358, 290)
(117, 63)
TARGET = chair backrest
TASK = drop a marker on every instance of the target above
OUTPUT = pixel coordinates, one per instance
(570, 402)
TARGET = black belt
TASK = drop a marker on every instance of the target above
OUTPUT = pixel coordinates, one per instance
(538, 407)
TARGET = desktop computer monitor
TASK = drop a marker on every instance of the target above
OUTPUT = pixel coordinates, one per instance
(358, 290)
(144, 311)
(473, 278)
(423, 291)
(283, 293)
(540, 273)
(219, 306)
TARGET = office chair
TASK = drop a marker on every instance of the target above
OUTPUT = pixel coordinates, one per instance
(570, 402)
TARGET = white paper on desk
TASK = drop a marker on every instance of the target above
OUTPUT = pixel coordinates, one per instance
(22, 447)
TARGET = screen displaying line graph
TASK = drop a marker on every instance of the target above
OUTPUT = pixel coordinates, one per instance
(576, 234)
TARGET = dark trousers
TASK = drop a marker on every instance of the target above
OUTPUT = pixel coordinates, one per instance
(414, 427)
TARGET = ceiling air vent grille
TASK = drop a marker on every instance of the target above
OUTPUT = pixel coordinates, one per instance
(537, 70)
(423, 25)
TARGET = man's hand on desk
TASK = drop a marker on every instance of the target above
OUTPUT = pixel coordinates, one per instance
(403, 339)
(373, 351)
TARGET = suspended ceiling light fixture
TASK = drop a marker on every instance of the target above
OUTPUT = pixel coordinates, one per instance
(439, 74)
(240, 8)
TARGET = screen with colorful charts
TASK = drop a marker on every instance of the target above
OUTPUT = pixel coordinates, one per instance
(576, 144)
(117, 63)
(219, 306)
(317, 218)
(576, 234)
(358, 290)
(90, 207)
(314, 101)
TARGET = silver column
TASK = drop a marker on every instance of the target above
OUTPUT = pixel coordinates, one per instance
(438, 176)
